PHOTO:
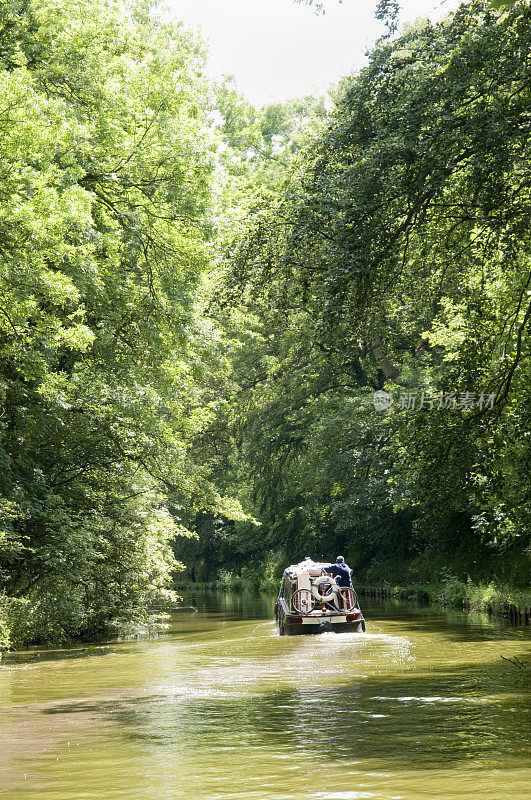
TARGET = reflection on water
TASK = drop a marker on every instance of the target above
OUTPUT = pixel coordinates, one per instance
(221, 707)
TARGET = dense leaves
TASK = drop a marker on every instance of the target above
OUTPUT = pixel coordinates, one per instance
(105, 203)
(199, 299)
(397, 257)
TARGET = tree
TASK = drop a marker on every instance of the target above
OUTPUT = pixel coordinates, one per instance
(104, 357)
(397, 257)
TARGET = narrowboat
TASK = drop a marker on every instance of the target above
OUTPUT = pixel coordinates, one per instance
(310, 601)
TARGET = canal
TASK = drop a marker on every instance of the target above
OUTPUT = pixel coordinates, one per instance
(219, 707)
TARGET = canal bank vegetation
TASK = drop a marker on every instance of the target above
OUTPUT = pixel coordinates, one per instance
(108, 368)
(199, 300)
(502, 601)
(393, 256)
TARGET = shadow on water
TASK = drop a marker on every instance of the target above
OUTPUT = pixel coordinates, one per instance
(457, 626)
(217, 607)
(414, 721)
(246, 605)
(221, 608)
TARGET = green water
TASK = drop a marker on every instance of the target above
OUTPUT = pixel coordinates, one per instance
(219, 707)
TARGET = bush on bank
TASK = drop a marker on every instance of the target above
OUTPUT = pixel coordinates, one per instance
(452, 592)
(490, 597)
(260, 577)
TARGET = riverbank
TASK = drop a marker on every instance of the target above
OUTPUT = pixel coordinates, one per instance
(496, 599)
(502, 601)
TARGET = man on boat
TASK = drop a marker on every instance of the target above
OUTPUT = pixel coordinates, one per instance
(341, 572)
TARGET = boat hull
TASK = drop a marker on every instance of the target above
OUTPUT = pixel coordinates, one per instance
(300, 629)
(290, 624)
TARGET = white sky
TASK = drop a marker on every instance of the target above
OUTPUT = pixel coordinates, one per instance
(278, 49)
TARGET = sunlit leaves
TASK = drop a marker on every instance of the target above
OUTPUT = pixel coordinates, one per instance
(105, 189)
(398, 257)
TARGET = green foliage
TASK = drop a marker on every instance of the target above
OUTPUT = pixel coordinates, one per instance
(452, 593)
(198, 299)
(397, 256)
(497, 4)
(5, 627)
(496, 598)
(492, 597)
(107, 366)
